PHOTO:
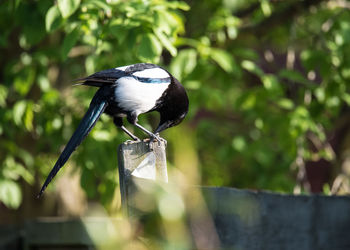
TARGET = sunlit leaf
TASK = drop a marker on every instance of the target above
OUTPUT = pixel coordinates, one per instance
(252, 67)
(166, 42)
(239, 143)
(29, 116)
(53, 19)
(43, 83)
(346, 98)
(270, 82)
(3, 95)
(223, 58)
(333, 101)
(18, 111)
(10, 194)
(249, 101)
(178, 5)
(285, 103)
(102, 135)
(266, 7)
(166, 22)
(13, 170)
(68, 7)
(98, 3)
(320, 94)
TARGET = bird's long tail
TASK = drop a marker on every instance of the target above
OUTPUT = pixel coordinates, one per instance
(95, 110)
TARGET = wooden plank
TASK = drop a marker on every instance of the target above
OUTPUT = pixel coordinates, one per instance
(142, 160)
(11, 237)
(265, 220)
(86, 233)
(243, 219)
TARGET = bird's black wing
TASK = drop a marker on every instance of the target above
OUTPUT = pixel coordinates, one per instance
(102, 78)
(110, 76)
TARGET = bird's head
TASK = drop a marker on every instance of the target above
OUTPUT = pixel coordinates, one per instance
(174, 106)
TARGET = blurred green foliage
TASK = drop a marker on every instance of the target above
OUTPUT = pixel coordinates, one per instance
(268, 84)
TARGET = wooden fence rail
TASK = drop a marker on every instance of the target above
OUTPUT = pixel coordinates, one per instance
(243, 219)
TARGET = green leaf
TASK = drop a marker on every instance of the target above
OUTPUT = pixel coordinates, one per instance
(90, 64)
(167, 22)
(239, 143)
(270, 82)
(191, 84)
(43, 83)
(150, 48)
(102, 135)
(178, 5)
(13, 170)
(346, 98)
(252, 67)
(166, 42)
(317, 60)
(68, 7)
(320, 94)
(53, 19)
(94, 4)
(294, 76)
(3, 95)
(18, 112)
(69, 41)
(29, 116)
(223, 58)
(285, 103)
(266, 7)
(24, 82)
(10, 194)
(33, 31)
(184, 63)
(118, 30)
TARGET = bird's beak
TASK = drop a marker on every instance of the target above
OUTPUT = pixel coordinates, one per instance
(161, 127)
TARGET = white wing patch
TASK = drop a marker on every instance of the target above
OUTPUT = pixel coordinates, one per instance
(133, 95)
(152, 73)
(123, 68)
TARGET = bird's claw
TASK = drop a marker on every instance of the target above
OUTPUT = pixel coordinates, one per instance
(158, 139)
(164, 141)
(136, 139)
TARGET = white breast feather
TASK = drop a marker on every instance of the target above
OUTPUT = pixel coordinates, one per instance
(152, 73)
(140, 97)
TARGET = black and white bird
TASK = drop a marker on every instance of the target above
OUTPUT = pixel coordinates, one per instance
(129, 91)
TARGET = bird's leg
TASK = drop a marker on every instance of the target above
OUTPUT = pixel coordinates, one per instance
(135, 138)
(118, 121)
(132, 118)
(151, 135)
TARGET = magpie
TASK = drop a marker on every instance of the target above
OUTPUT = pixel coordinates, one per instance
(128, 91)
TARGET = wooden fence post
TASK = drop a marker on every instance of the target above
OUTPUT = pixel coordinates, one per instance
(141, 159)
